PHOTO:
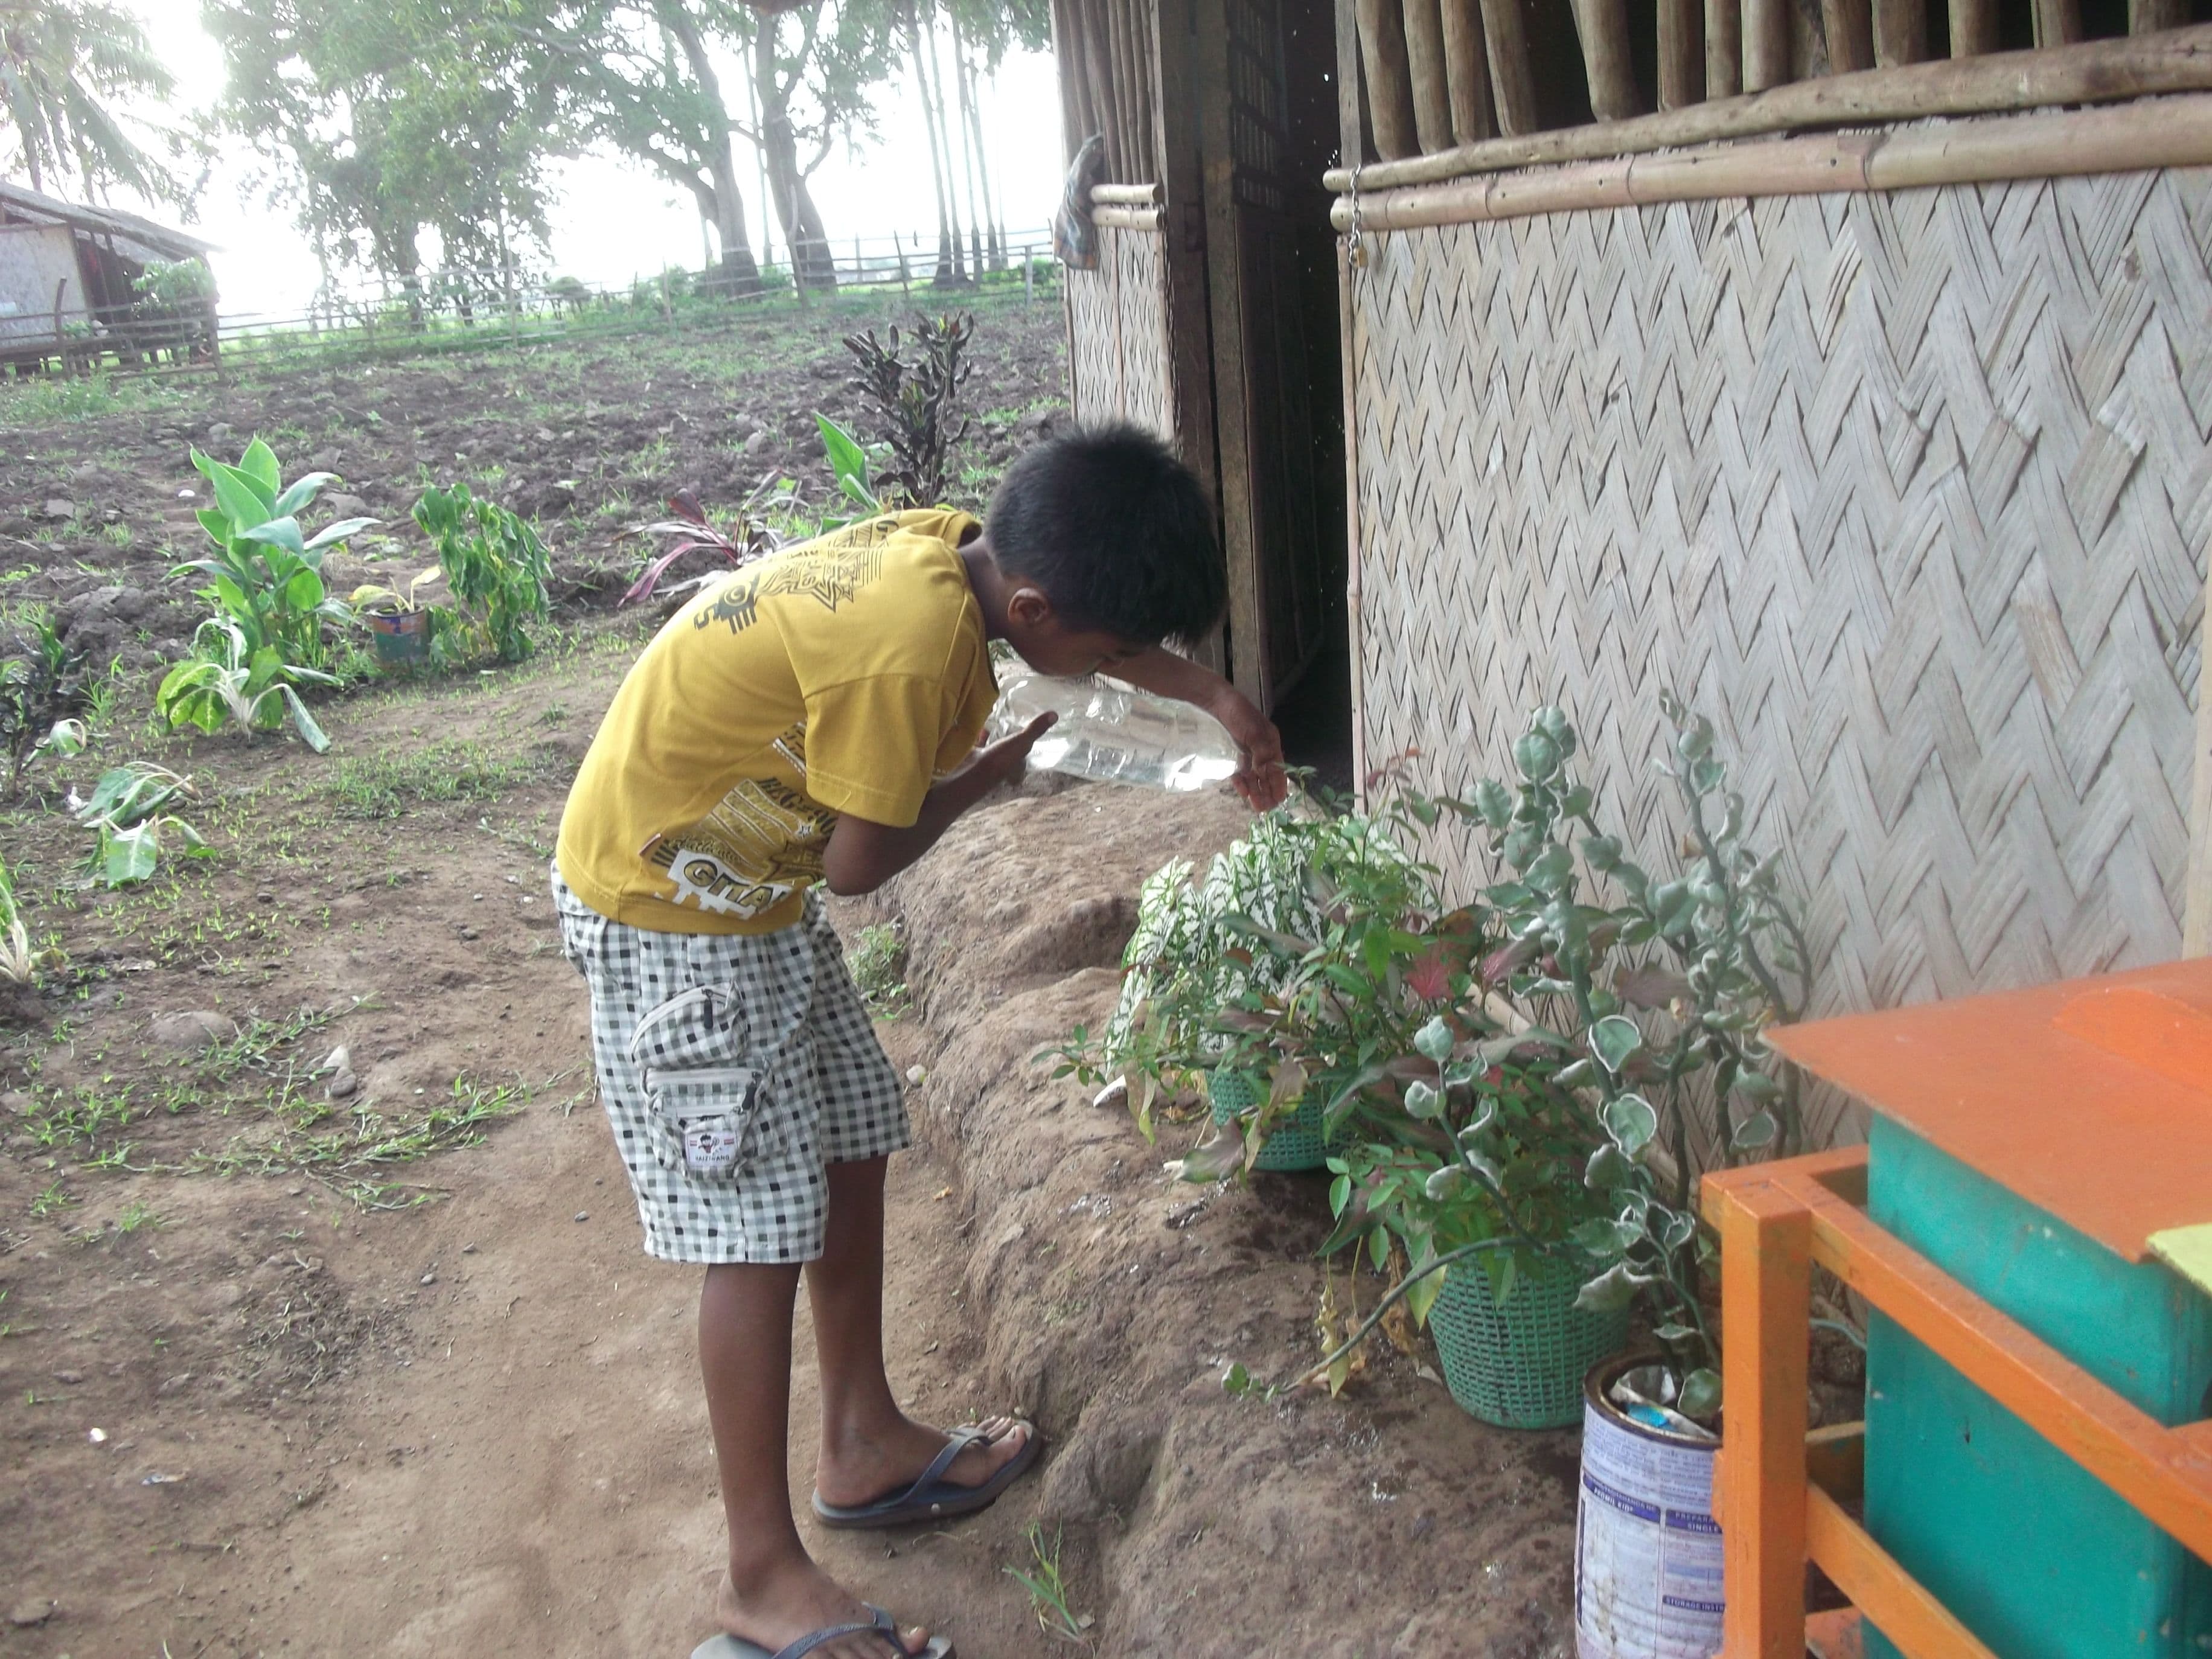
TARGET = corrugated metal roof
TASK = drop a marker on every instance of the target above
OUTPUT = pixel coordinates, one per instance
(158, 241)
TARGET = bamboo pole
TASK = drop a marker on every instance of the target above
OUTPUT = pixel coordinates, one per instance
(2196, 898)
(1682, 53)
(2173, 133)
(1901, 33)
(1126, 218)
(1974, 27)
(1512, 77)
(1425, 74)
(1849, 24)
(1125, 195)
(1603, 26)
(2096, 71)
(2057, 22)
(1723, 48)
(2148, 16)
(1766, 44)
(1389, 98)
(1466, 67)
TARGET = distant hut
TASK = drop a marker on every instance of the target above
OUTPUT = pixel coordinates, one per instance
(68, 278)
(1842, 366)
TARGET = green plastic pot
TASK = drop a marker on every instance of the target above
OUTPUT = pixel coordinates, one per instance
(1520, 1365)
(1296, 1145)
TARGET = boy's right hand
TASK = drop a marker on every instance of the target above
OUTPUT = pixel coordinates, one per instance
(1003, 762)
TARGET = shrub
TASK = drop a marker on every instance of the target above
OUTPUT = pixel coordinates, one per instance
(495, 568)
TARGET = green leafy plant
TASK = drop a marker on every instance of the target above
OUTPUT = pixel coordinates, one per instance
(19, 963)
(1663, 998)
(266, 577)
(849, 465)
(918, 402)
(130, 812)
(228, 679)
(43, 683)
(495, 566)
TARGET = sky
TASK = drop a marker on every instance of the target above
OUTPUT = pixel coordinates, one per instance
(615, 219)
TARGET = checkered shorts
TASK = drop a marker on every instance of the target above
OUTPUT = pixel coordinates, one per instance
(732, 1067)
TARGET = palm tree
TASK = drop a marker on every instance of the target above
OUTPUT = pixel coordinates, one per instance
(66, 66)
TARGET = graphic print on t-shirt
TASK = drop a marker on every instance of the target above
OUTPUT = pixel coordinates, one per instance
(761, 843)
(831, 570)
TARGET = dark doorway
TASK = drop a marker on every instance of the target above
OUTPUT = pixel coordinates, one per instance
(1267, 135)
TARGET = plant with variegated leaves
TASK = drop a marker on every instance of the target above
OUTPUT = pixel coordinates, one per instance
(1664, 1000)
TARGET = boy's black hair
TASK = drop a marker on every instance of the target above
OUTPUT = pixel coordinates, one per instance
(1116, 531)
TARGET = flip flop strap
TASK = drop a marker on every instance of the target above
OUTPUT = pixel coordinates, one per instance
(885, 1626)
(956, 1441)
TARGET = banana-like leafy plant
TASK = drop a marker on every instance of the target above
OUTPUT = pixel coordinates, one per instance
(130, 812)
(264, 578)
(229, 680)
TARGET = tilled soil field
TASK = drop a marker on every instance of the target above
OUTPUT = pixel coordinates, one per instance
(287, 1367)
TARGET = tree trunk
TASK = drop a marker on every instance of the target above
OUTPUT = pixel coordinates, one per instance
(968, 160)
(739, 274)
(969, 82)
(812, 266)
(951, 263)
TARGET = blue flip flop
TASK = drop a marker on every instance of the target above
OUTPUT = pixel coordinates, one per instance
(736, 1647)
(931, 1497)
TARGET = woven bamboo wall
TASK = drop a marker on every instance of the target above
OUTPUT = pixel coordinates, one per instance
(1117, 334)
(1910, 493)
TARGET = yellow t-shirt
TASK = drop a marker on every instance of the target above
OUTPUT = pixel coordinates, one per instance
(844, 675)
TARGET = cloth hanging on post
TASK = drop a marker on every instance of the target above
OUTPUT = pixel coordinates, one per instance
(1074, 237)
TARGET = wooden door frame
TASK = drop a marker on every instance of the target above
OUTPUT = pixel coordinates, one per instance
(1248, 625)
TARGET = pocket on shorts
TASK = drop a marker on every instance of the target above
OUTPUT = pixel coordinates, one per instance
(709, 1123)
(700, 1029)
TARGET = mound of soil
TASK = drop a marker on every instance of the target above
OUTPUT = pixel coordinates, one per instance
(1111, 1299)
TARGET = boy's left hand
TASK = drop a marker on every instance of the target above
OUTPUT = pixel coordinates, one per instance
(1261, 778)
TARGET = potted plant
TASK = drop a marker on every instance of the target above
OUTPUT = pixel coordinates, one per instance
(399, 626)
(1661, 997)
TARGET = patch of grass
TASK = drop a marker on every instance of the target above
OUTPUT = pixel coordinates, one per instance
(38, 400)
(1048, 1589)
(50, 1202)
(384, 786)
(878, 964)
(137, 1215)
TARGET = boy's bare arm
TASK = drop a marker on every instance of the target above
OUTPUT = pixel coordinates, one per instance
(1159, 670)
(862, 855)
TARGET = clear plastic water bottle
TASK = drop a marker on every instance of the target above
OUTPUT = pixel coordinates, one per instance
(1114, 732)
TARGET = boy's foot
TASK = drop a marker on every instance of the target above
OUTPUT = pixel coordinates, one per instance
(871, 1466)
(788, 1603)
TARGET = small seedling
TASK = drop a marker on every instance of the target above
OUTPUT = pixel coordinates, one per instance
(135, 1215)
(1048, 1590)
(52, 1201)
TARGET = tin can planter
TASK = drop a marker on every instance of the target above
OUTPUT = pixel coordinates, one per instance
(1647, 1548)
(401, 638)
(1298, 1144)
(1520, 1365)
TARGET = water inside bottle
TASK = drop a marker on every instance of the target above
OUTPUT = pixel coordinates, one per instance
(1116, 734)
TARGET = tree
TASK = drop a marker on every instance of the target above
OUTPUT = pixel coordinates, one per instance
(66, 68)
(818, 91)
(987, 29)
(650, 88)
(951, 263)
(385, 118)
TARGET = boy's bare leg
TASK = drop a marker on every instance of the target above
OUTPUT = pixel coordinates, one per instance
(775, 1593)
(870, 1448)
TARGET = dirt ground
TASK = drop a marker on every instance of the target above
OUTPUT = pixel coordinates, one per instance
(390, 1374)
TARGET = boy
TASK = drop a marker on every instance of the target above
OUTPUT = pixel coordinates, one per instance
(814, 719)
